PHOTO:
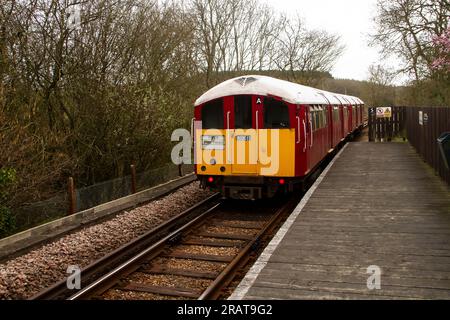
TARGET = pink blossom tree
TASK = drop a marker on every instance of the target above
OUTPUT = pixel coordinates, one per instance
(442, 43)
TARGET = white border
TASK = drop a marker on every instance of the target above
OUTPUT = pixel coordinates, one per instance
(246, 283)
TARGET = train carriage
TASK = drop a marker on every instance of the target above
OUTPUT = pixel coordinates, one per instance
(255, 135)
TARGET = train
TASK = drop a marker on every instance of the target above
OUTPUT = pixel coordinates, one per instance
(255, 136)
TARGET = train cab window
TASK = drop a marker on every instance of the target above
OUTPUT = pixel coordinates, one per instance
(243, 112)
(212, 114)
(276, 114)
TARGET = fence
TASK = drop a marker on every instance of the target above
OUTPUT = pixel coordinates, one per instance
(424, 125)
(421, 125)
(386, 128)
(80, 199)
(103, 192)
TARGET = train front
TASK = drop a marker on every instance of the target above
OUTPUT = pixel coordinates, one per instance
(244, 139)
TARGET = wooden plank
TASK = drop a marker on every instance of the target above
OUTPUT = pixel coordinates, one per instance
(349, 247)
(331, 270)
(181, 272)
(226, 236)
(264, 293)
(203, 257)
(358, 259)
(359, 289)
(238, 225)
(209, 242)
(167, 291)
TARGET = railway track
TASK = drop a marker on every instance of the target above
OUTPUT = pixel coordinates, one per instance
(194, 255)
(196, 261)
(100, 267)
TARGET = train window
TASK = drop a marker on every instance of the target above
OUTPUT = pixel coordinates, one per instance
(243, 112)
(336, 113)
(276, 114)
(324, 117)
(318, 121)
(318, 118)
(212, 115)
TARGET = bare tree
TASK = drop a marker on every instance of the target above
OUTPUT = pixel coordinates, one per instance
(406, 29)
(213, 28)
(380, 89)
(302, 52)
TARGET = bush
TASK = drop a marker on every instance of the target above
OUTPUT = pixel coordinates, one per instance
(7, 221)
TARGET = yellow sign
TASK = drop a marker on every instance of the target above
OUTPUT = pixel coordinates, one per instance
(384, 112)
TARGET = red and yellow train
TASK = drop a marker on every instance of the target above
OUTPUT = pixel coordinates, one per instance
(255, 135)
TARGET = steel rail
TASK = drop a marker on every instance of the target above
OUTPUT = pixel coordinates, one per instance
(214, 291)
(152, 251)
(100, 266)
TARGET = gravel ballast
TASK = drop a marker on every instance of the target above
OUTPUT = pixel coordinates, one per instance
(32, 272)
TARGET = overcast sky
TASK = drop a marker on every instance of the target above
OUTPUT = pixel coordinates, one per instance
(351, 19)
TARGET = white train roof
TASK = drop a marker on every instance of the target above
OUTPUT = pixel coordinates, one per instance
(331, 97)
(358, 100)
(265, 86)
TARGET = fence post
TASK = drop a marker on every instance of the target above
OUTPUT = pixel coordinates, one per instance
(71, 193)
(133, 178)
(370, 111)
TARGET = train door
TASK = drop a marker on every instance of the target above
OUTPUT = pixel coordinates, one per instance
(358, 115)
(350, 119)
(362, 113)
(330, 125)
(247, 117)
(309, 137)
(336, 126)
(328, 122)
(346, 117)
(301, 154)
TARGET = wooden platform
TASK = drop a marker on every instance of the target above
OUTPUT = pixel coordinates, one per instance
(379, 204)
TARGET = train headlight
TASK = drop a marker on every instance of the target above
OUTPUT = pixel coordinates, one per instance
(213, 142)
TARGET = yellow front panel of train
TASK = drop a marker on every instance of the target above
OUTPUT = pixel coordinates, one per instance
(244, 151)
(264, 152)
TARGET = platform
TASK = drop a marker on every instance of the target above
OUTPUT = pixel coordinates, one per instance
(376, 204)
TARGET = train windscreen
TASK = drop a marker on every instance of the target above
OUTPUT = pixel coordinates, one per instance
(276, 114)
(243, 112)
(212, 115)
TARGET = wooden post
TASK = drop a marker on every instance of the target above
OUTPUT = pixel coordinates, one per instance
(71, 194)
(371, 125)
(133, 178)
(180, 170)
